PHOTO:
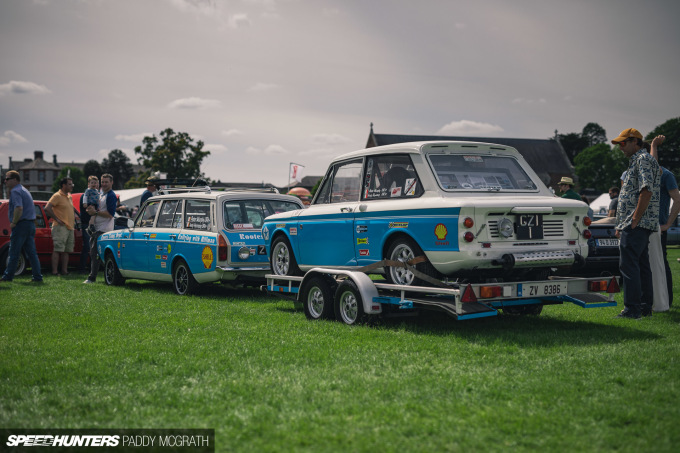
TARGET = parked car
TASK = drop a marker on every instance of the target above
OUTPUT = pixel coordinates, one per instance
(197, 236)
(474, 210)
(603, 250)
(673, 237)
(43, 239)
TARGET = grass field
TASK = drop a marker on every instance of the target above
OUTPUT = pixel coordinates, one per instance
(266, 379)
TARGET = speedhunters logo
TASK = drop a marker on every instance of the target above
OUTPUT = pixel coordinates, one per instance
(73, 440)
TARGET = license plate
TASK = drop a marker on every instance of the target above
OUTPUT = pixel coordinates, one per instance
(530, 226)
(607, 242)
(542, 289)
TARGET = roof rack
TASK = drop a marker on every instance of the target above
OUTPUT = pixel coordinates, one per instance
(248, 189)
(169, 190)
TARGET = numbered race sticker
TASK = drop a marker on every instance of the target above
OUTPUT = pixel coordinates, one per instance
(541, 289)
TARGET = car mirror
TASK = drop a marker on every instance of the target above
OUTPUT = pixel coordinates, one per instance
(130, 223)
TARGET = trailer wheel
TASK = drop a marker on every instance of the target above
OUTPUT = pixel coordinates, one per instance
(404, 249)
(520, 310)
(282, 259)
(317, 298)
(349, 307)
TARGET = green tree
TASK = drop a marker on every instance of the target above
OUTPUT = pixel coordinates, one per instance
(600, 166)
(174, 153)
(594, 134)
(76, 174)
(119, 166)
(669, 151)
(92, 167)
(573, 143)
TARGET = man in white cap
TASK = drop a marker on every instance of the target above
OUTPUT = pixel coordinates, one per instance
(637, 216)
(566, 186)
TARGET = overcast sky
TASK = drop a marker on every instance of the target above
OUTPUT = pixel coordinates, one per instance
(267, 82)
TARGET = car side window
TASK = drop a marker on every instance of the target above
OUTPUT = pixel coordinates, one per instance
(391, 176)
(167, 214)
(39, 217)
(343, 183)
(177, 218)
(148, 215)
(198, 215)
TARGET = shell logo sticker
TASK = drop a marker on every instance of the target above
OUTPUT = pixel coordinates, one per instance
(207, 257)
(440, 231)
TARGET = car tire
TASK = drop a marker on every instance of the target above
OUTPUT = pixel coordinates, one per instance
(112, 274)
(349, 306)
(317, 298)
(404, 249)
(21, 263)
(282, 258)
(183, 280)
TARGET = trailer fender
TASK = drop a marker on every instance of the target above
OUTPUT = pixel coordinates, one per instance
(364, 284)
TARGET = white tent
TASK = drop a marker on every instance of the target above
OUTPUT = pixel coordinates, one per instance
(130, 197)
(600, 205)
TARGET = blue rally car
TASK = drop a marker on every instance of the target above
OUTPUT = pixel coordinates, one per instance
(197, 236)
(465, 209)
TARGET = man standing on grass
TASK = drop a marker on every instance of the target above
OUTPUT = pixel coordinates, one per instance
(103, 221)
(60, 208)
(637, 216)
(22, 223)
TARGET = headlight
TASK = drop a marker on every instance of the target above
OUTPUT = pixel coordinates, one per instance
(244, 253)
(505, 227)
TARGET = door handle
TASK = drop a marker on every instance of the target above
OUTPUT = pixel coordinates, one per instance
(173, 236)
(346, 209)
(146, 235)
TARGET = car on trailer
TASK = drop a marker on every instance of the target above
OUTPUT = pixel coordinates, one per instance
(194, 236)
(470, 211)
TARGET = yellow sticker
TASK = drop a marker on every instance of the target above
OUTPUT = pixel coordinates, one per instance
(207, 257)
(168, 248)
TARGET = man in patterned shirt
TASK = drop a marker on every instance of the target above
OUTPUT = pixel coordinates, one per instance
(637, 216)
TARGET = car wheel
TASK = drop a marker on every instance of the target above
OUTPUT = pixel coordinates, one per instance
(183, 280)
(282, 259)
(522, 310)
(349, 306)
(317, 298)
(21, 263)
(404, 249)
(112, 274)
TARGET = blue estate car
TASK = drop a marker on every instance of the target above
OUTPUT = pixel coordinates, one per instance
(194, 237)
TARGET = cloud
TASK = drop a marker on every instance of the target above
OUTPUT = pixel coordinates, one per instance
(239, 21)
(19, 87)
(215, 148)
(11, 137)
(232, 132)
(529, 101)
(460, 26)
(205, 7)
(194, 103)
(137, 138)
(330, 139)
(262, 87)
(467, 127)
(271, 150)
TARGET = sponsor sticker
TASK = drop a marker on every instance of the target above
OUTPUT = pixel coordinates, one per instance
(118, 244)
(168, 248)
(363, 252)
(158, 257)
(410, 186)
(153, 236)
(243, 226)
(118, 253)
(398, 225)
(362, 229)
(440, 231)
(395, 192)
(207, 257)
(361, 241)
(472, 158)
(164, 264)
(280, 225)
(293, 231)
(164, 257)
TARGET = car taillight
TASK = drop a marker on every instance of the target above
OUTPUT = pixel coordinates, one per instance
(587, 221)
(468, 236)
(587, 234)
(468, 222)
(222, 248)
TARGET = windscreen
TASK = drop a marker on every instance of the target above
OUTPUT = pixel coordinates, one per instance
(476, 172)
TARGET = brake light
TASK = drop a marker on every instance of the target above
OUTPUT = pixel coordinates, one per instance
(487, 292)
(222, 248)
(468, 222)
(598, 285)
(587, 221)
(587, 234)
(468, 295)
(468, 236)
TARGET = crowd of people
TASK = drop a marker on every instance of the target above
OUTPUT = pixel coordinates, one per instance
(643, 212)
